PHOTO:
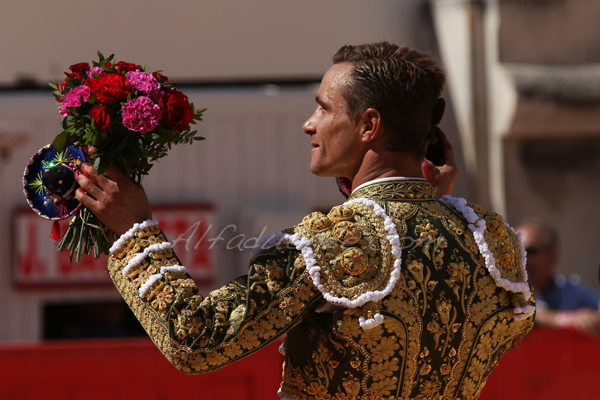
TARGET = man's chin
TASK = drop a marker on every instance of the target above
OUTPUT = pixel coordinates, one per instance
(325, 171)
(321, 172)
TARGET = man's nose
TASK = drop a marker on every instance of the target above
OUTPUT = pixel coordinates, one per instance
(308, 126)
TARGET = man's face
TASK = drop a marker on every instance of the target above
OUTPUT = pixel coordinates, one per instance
(335, 138)
(540, 258)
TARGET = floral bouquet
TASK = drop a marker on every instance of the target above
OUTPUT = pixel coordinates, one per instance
(114, 113)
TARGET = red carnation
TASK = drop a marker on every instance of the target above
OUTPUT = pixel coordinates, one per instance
(61, 89)
(160, 77)
(108, 88)
(123, 66)
(77, 70)
(101, 115)
(176, 110)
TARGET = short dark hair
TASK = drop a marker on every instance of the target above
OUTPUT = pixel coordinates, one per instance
(403, 84)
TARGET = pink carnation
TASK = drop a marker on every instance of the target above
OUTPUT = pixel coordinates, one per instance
(145, 83)
(95, 70)
(73, 99)
(141, 114)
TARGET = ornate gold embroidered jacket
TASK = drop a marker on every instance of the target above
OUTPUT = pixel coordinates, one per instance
(386, 297)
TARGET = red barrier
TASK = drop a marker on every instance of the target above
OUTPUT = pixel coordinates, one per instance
(128, 369)
(550, 365)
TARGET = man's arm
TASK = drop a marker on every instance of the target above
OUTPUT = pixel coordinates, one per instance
(583, 320)
(201, 334)
(197, 334)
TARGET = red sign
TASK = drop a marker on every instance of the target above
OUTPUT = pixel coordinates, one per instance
(37, 262)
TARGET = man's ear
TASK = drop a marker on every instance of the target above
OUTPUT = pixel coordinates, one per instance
(371, 124)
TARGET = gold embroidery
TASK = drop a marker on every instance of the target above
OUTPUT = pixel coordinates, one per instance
(349, 270)
(341, 213)
(354, 261)
(123, 251)
(317, 222)
(445, 323)
(153, 230)
(347, 232)
(161, 255)
(134, 271)
(407, 190)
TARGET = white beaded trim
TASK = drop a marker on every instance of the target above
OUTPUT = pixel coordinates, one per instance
(303, 244)
(173, 268)
(148, 284)
(131, 233)
(371, 322)
(283, 396)
(282, 349)
(394, 239)
(523, 253)
(140, 257)
(522, 313)
(478, 227)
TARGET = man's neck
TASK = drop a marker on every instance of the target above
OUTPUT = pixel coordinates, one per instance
(386, 164)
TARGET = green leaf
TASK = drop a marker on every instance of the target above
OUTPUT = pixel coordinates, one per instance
(60, 141)
(101, 56)
(72, 83)
(199, 138)
(97, 162)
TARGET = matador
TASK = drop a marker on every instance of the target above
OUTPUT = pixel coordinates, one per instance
(401, 292)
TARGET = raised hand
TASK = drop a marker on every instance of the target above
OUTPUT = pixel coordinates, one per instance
(114, 198)
(442, 177)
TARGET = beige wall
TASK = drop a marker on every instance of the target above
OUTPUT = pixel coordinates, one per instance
(253, 165)
(550, 32)
(552, 168)
(193, 39)
(254, 162)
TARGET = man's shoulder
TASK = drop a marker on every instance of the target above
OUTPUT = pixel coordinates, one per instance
(352, 252)
(498, 243)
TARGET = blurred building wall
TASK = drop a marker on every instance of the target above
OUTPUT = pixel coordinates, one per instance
(537, 146)
(552, 149)
(254, 164)
(193, 40)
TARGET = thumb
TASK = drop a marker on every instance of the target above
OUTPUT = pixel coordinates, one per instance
(430, 172)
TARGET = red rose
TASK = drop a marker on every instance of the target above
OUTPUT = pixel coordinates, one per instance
(101, 115)
(77, 70)
(123, 66)
(160, 77)
(108, 88)
(176, 110)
